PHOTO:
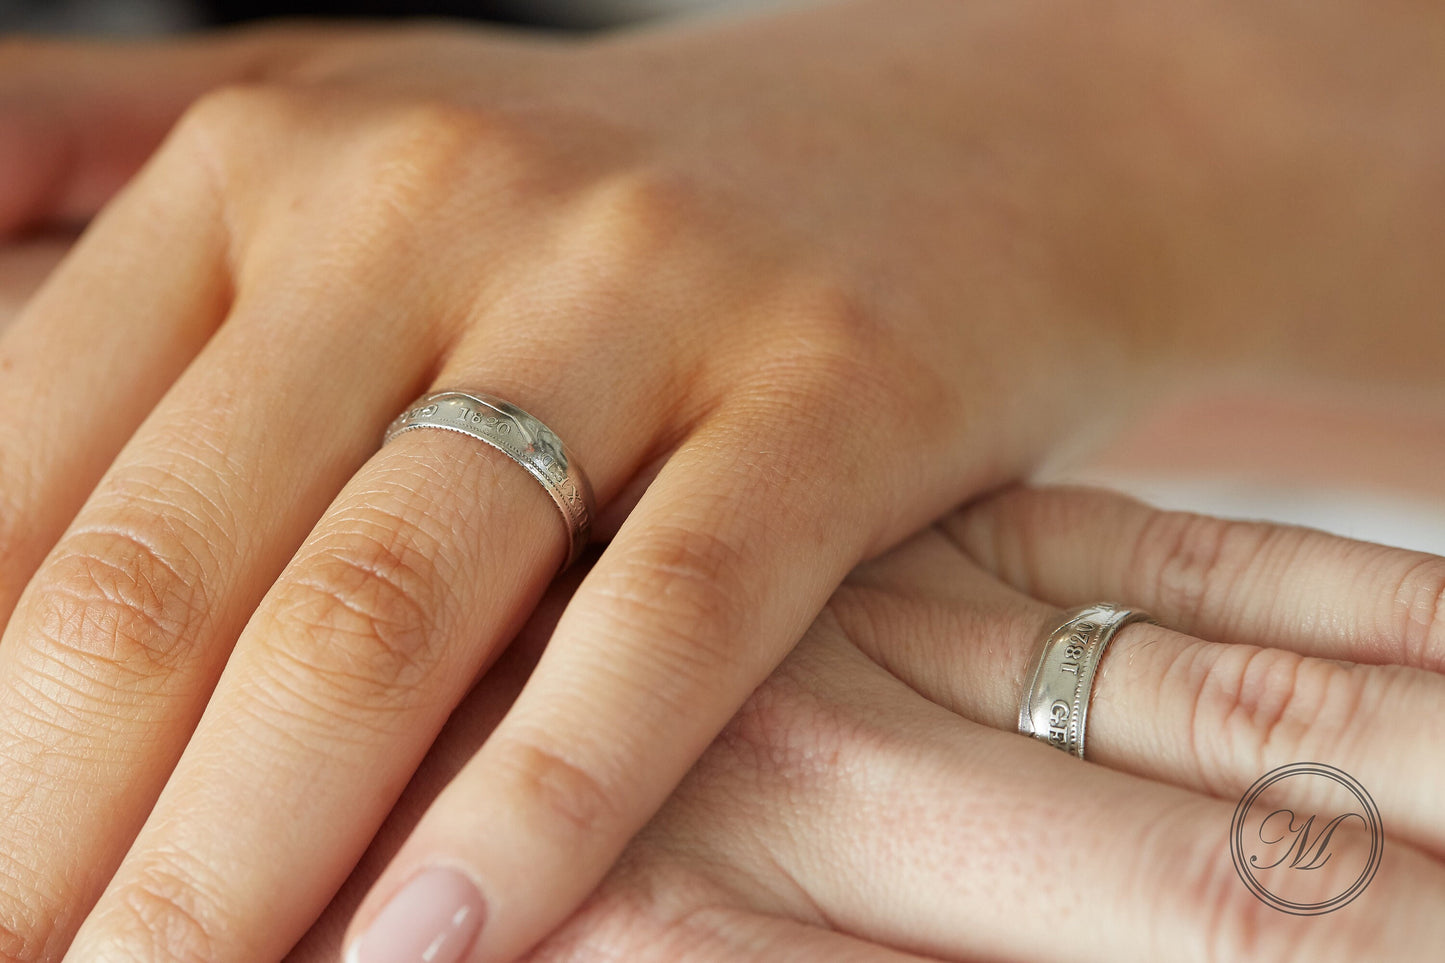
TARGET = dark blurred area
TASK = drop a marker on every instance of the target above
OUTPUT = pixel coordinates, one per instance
(141, 17)
(234, 11)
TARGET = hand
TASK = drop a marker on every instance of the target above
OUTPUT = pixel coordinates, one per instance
(340, 220)
(843, 817)
(594, 232)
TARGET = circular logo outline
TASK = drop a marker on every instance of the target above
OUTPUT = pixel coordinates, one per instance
(1372, 815)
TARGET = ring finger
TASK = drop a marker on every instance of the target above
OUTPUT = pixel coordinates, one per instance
(1208, 716)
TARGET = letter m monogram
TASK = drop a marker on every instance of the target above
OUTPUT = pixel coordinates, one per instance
(1300, 853)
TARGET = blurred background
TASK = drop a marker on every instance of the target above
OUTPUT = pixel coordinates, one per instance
(155, 16)
(1367, 464)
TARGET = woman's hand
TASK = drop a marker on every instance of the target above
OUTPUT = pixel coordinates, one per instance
(843, 817)
(788, 288)
(778, 302)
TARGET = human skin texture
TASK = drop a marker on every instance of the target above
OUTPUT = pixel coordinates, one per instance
(871, 803)
(790, 288)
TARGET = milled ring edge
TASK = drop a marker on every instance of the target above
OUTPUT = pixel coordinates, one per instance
(578, 535)
(1026, 717)
(1105, 636)
(1108, 632)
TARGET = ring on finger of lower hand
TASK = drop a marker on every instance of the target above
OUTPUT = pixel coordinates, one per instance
(1055, 703)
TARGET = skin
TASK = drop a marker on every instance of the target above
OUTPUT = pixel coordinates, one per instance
(870, 802)
(738, 273)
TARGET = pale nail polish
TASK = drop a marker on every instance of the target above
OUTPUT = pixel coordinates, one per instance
(432, 919)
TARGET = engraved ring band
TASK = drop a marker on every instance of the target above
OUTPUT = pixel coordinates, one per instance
(520, 437)
(1055, 705)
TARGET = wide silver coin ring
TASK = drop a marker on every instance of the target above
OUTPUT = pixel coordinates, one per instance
(1055, 705)
(520, 437)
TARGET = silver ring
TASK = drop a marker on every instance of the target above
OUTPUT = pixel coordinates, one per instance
(1055, 706)
(520, 437)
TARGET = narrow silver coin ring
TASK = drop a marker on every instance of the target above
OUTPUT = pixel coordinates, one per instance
(1055, 705)
(520, 437)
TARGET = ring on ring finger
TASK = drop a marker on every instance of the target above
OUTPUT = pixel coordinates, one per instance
(1055, 704)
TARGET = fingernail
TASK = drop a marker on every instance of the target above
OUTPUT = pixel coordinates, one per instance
(432, 919)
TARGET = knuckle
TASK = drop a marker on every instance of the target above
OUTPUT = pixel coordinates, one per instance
(1418, 615)
(404, 171)
(224, 115)
(37, 910)
(25, 941)
(562, 791)
(1269, 703)
(820, 372)
(626, 221)
(359, 622)
(1230, 921)
(226, 138)
(416, 153)
(798, 731)
(423, 142)
(1200, 888)
(785, 730)
(829, 341)
(116, 598)
(1188, 557)
(163, 915)
(690, 589)
(1233, 923)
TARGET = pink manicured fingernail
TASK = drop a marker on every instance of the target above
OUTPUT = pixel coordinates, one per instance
(432, 919)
